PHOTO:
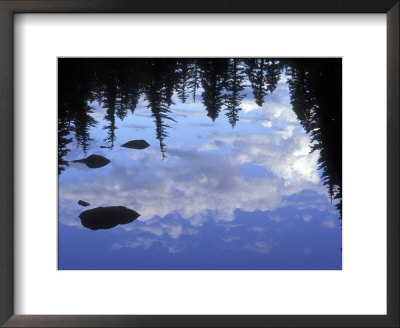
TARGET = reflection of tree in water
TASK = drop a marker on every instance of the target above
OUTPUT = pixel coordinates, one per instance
(273, 74)
(213, 76)
(183, 72)
(110, 96)
(73, 110)
(234, 88)
(256, 75)
(316, 96)
(158, 94)
(194, 78)
(63, 141)
(314, 84)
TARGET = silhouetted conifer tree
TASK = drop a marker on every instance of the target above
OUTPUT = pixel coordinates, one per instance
(75, 84)
(213, 77)
(156, 95)
(273, 74)
(194, 81)
(63, 141)
(257, 78)
(182, 80)
(82, 122)
(130, 87)
(169, 79)
(316, 97)
(109, 101)
(234, 87)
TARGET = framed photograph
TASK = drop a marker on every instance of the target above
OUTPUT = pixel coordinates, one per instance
(205, 171)
(217, 164)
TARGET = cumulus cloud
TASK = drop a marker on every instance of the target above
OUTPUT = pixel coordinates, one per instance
(176, 248)
(266, 123)
(230, 239)
(249, 105)
(98, 112)
(228, 226)
(155, 230)
(193, 182)
(288, 158)
(174, 230)
(257, 229)
(330, 223)
(208, 147)
(276, 218)
(190, 111)
(138, 242)
(145, 242)
(259, 246)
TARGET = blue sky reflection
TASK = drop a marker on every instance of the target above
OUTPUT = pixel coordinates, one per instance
(248, 197)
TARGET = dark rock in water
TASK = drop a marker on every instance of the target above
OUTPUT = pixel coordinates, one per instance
(107, 217)
(83, 203)
(136, 144)
(93, 161)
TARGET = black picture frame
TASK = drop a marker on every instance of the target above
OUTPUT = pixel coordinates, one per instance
(10, 7)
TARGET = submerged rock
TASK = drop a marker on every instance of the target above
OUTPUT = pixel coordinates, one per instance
(83, 203)
(136, 144)
(93, 161)
(107, 217)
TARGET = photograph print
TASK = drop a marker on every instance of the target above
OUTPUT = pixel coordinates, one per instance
(199, 163)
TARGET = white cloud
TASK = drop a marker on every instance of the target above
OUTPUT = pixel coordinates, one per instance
(229, 226)
(230, 239)
(287, 157)
(257, 229)
(98, 111)
(174, 230)
(330, 223)
(248, 105)
(190, 111)
(138, 242)
(145, 242)
(155, 230)
(208, 147)
(192, 183)
(276, 218)
(176, 249)
(259, 246)
(126, 227)
(266, 123)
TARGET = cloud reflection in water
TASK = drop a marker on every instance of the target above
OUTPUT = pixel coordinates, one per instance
(201, 203)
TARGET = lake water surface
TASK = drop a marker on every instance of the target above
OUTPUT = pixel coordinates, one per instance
(211, 195)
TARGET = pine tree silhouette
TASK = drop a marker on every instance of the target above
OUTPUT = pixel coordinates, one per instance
(316, 97)
(234, 87)
(156, 95)
(213, 77)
